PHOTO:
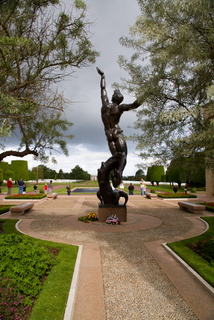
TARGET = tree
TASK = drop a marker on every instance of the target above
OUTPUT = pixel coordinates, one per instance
(47, 172)
(155, 173)
(139, 174)
(190, 170)
(1, 177)
(4, 166)
(9, 174)
(39, 172)
(79, 174)
(60, 175)
(171, 73)
(20, 167)
(32, 175)
(39, 47)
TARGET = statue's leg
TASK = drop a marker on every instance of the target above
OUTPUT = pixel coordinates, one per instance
(118, 171)
(106, 191)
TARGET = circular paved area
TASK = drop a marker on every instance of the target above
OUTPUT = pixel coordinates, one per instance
(135, 222)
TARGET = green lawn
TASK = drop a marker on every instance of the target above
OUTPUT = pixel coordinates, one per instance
(164, 188)
(200, 265)
(29, 188)
(51, 301)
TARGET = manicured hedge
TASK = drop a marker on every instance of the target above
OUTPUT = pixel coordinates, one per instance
(209, 206)
(26, 196)
(20, 167)
(4, 166)
(4, 208)
(176, 195)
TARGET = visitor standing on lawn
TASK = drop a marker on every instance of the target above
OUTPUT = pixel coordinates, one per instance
(68, 190)
(9, 186)
(35, 188)
(143, 187)
(185, 188)
(121, 186)
(131, 189)
(50, 187)
(21, 184)
(175, 189)
(46, 188)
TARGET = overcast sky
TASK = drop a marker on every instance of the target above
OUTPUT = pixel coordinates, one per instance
(89, 148)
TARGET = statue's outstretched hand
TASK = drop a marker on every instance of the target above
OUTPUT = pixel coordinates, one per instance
(100, 72)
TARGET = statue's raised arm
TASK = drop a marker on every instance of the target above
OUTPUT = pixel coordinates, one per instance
(104, 96)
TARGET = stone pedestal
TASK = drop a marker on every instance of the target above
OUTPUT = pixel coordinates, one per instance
(104, 211)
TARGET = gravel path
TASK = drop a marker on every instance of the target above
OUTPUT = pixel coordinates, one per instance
(135, 287)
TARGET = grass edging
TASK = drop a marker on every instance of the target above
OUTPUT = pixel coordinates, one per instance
(71, 297)
(204, 283)
(198, 267)
(52, 300)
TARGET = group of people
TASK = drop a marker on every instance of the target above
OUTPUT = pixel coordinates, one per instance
(185, 188)
(49, 188)
(142, 188)
(131, 187)
(21, 184)
(22, 187)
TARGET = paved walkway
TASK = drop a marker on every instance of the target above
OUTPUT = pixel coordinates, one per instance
(125, 272)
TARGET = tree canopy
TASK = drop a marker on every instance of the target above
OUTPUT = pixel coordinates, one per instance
(79, 173)
(171, 73)
(40, 44)
(190, 170)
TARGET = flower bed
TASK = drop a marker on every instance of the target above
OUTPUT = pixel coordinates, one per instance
(26, 196)
(169, 195)
(92, 216)
(209, 206)
(4, 208)
(20, 285)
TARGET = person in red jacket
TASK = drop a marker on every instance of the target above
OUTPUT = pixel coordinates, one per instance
(9, 186)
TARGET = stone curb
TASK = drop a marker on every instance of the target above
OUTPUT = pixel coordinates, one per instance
(195, 275)
(183, 199)
(17, 227)
(71, 297)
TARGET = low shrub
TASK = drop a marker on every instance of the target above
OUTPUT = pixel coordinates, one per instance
(26, 196)
(193, 190)
(52, 299)
(12, 303)
(205, 249)
(26, 263)
(201, 189)
(41, 191)
(152, 190)
(209, 206)
(175, 195)
(4, 208)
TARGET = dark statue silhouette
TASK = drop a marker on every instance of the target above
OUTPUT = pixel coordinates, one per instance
(111, 113)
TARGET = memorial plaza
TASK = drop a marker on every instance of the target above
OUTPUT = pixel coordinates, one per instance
(124, 271)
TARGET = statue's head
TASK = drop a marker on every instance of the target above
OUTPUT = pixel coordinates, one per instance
(117, 97)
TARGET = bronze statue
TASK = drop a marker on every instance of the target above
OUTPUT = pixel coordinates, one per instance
(111, 113)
